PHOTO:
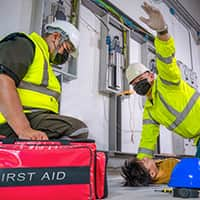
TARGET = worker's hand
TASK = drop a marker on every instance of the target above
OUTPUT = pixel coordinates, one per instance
(32, 134)
(155, 20)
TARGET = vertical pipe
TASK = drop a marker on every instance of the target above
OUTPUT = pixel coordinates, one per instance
(191, 56)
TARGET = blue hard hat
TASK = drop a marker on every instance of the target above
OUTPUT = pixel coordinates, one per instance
(186, 174)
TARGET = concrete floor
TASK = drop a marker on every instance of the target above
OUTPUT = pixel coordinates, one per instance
(117, 192)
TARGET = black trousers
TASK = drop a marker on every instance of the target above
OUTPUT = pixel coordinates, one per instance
(54, 125)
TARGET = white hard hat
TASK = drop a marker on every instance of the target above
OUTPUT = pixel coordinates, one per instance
(134, 70)
(67, 30)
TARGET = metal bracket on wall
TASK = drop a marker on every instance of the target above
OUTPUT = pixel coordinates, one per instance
(113, 60)
(112, 76)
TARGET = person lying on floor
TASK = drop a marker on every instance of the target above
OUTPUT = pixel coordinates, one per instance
(147, 171)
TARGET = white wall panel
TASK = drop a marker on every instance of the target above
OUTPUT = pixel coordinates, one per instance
(131, 123)
(132, 109)
(15, 16)
(181, 34)
(80, 97)
(166, 140)
(196, 60)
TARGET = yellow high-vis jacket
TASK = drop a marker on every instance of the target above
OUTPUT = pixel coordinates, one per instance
(39, 88)
(175, 104)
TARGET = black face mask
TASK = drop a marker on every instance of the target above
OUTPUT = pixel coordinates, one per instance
(60, 59)
(142, 87)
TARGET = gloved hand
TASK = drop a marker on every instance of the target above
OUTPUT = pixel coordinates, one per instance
(156, 20)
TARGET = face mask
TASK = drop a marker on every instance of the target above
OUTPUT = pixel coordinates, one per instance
(59, 59)
(142, 87)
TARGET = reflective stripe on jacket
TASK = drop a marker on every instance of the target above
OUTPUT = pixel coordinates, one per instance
(175, 104)
(39, 88)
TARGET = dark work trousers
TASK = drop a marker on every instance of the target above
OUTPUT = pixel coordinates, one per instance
(54, 125)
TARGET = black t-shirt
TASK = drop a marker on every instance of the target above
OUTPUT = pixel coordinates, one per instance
(16, 54)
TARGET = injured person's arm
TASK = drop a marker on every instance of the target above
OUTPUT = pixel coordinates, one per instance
(147, 171)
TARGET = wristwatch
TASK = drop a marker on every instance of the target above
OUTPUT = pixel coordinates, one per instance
(163, 31)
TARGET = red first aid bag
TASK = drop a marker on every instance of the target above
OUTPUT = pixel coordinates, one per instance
(49, 170)
(101, 175)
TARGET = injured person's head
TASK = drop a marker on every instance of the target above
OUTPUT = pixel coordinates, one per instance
(147, 171)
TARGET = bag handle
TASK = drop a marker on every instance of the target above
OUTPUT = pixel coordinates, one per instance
(45, 142)
(35, 142)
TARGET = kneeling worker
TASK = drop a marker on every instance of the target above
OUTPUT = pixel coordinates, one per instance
(30, 91)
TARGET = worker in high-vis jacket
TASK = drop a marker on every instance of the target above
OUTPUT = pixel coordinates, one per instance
(170, 101)
(30, 91)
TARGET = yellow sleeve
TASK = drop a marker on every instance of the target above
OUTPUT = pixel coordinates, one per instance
(168, 70)
(148, 141)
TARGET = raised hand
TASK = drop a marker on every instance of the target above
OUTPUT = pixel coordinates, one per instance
(155, 20)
